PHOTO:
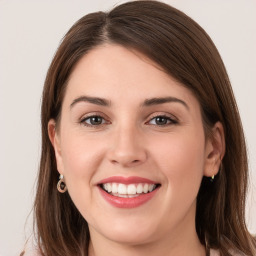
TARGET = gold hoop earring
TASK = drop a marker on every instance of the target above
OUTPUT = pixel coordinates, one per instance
(61, 185)
(212, 178)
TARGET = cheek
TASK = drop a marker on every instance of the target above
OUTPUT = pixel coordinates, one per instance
(181, 163)
(181, 160)
(81, 160)
(81, 156)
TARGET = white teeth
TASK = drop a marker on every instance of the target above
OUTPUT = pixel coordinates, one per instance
(130, 190)
(145, 188)
(151, 187)
(131, 196)
(114, 188)
(105, 186)
(124, 196)
(139, 189)
(109, 187)
(122, 189)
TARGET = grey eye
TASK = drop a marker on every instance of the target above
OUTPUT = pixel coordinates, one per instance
(94, 120)
(162, 120)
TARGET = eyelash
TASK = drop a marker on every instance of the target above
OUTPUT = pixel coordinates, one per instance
(171, 121)
(83, 121)
(168, 119)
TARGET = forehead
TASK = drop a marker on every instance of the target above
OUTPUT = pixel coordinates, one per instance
(119, 74)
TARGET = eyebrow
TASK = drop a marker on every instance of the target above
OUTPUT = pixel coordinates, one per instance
(146, 103)
(162, 100)
(93, 100)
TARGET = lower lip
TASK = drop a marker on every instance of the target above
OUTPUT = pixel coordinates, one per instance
(133, 202)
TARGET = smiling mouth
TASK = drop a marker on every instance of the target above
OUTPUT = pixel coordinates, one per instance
(128, 190)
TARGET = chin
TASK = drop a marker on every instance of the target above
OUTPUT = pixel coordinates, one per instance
(128, 233)
(129, 238)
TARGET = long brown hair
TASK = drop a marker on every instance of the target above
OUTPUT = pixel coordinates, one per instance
(184, 50)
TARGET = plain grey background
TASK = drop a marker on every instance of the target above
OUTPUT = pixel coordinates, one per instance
(30, 32)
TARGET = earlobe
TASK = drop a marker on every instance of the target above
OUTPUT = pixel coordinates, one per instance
(55, 140)
(215, 150)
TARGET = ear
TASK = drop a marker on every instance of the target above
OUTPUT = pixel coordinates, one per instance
(214, 150)
(55, 140)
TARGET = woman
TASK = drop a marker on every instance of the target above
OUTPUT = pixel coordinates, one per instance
(142, 137)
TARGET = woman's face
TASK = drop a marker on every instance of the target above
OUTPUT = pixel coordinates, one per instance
(129, 128)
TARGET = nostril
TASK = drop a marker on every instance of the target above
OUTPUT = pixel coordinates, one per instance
(131, 162)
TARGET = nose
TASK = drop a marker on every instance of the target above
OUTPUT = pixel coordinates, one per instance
(127, 148)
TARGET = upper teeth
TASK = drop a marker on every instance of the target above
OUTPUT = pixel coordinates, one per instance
(130, 189)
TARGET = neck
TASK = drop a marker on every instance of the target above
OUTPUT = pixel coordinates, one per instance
(178, 244)
(147, 250)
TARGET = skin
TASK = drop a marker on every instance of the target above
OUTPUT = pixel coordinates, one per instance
(129, 142)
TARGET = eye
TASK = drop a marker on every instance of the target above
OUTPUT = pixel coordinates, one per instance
(94, 120)
(162, 120)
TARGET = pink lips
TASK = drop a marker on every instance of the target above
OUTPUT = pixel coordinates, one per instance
(121, 202)
(126, 180)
